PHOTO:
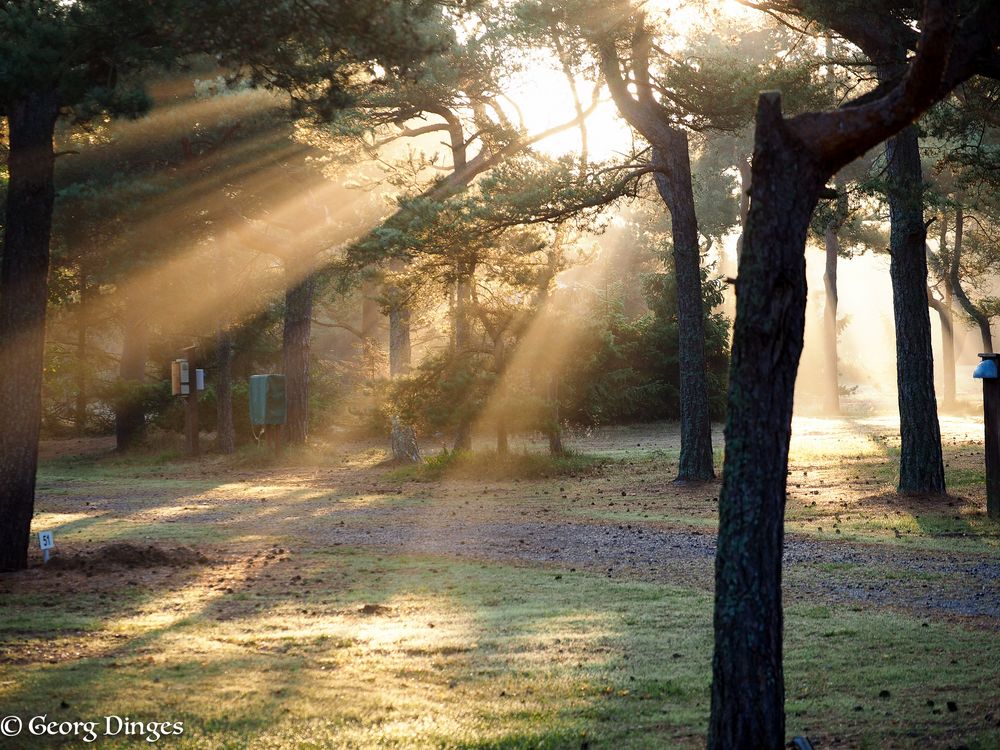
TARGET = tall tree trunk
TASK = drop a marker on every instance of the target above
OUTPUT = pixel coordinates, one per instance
(673, 180)
(400, 352)
(82, 328)
(747, 676)
(500, 364)
(403, 437)
(24, 268)
(554, 427)
(955, 276)
(944, 310)
(370, 350)
(743, 165)
(831, 386)
(130, 415)
(463, 342)
(225, 432)
(921, 466)
(295, 342)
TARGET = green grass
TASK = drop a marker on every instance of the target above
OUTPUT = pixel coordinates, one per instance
(465, 655)
(275, 651)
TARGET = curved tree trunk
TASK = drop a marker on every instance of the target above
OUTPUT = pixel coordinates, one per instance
(831, 385)
(747, 675)
(944, 310)
(295, 341)
(24, 268)
(921, 466)
(955, 277)
(673, 180)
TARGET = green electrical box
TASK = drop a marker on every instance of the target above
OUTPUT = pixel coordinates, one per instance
(267, 399)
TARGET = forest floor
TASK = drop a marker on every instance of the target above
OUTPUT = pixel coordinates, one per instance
(331, 600)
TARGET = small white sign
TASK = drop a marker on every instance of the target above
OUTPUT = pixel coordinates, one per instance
(46, 542)
(199, 379)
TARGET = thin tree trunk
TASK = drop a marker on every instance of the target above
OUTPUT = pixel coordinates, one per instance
(743, 165)
(499, 364)
(747, 676)
(83, 325)
(921, 466)
(673, 180)
(224, 429)
(370, 349)
(831, 389)
(403, 437)
(399, 340)
(24, 268)
(130, 416)
(225, 432)
(554, 427)
(944, 310)
(463, 341)
(295, 340)
(980, 318)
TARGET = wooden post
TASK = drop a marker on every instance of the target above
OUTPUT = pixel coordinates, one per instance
(191, 403)
(991, 418)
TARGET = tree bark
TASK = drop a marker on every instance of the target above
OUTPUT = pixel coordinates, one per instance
(295, 341)
(921, 466)
(747, 676)
(24, 268)
(673, 180)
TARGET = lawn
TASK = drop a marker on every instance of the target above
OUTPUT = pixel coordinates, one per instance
(342, 603)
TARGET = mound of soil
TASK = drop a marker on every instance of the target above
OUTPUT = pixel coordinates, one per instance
(126, 555)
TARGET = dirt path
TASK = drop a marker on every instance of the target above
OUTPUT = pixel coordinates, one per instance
(937, 583)
(629, 520)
